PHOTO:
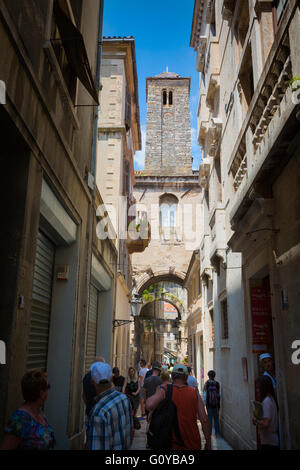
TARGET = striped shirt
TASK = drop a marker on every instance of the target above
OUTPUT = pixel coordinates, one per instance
(110, 423)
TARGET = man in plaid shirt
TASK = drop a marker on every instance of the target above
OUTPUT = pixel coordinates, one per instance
(110, 423)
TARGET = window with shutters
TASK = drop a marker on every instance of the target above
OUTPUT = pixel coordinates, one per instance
(91, 344)
(212, 326)
(168, 209)
(61, 56)
(41, 304)
(278, 11)
(224, 314)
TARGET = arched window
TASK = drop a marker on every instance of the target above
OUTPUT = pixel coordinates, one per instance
(168, 210)
(170, 98)
(164, 97)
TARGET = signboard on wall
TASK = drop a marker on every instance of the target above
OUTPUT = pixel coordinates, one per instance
(261, 319)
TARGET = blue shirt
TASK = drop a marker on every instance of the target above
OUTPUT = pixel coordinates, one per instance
(110, 423)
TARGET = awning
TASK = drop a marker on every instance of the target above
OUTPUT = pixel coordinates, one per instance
(75, 50)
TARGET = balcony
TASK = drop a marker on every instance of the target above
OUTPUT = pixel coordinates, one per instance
(203, 120)
(212, 71)
(205, 266)
(269, 124)
(139, 236)
(215, 133)
(218, 247)
(200, 61)
(228, 9)
(204, 173)
(263, 5)
(239, 167)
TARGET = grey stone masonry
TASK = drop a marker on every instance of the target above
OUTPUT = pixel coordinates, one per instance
(168, 133)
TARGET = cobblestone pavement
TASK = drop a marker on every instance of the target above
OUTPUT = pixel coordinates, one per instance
(139, 442)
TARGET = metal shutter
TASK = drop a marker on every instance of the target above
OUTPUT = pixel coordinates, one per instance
(92, 328)
(41, 304)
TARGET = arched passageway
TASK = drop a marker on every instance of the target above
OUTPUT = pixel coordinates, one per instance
(158, 328)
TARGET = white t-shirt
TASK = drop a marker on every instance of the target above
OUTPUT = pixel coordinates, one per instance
(269, 435)
(142, 373)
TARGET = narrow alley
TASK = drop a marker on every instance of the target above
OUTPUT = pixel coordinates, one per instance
(150, 236)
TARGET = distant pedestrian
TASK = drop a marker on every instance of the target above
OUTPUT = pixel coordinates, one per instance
(110, 423)
(189, 407)
(212, 390)
(89, 391)
(28, 428)
(150, 372)
(118, 380)
(142, 372)
(191, 380)
(165, 376)
(267, 364)
(268, 425)
(151, 383)
(131, 389)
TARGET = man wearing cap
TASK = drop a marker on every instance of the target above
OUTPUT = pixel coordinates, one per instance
(110, 423)
(189, 407)
(267, 364)
(89, 392)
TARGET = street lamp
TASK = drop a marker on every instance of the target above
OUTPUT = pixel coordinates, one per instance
(136, 305)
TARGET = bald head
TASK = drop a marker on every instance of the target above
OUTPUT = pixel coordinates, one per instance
(99, 359)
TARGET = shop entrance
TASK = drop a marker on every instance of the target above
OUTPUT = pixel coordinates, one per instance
(262, 327)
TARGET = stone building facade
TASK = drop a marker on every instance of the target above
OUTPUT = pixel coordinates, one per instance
(119, 137)
(196, 334)
(167, 190)
(48, 202)
(248, 128)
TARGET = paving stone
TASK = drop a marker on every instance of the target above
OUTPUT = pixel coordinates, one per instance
(140, 439)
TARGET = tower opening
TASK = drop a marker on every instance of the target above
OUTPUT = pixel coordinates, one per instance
(164, 97)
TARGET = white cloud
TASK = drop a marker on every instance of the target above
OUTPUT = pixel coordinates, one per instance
(139, 157)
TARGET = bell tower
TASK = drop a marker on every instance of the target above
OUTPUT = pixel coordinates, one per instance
(168, 133)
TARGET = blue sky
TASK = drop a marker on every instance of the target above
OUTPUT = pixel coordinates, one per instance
(162, 32)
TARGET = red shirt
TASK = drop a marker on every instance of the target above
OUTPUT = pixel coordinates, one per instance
(186, 401)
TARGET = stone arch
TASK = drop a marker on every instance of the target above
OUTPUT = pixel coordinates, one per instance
(165, 298)
(169, 196)
(147, 279)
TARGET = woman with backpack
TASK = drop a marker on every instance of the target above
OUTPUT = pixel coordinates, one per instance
(212, 391)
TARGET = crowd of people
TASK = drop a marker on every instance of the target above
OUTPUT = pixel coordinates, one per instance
(168, 398)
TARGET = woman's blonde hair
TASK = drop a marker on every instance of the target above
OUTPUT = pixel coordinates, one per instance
(165, 375)
(131, 368)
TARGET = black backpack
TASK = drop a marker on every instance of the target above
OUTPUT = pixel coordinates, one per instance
(164, 420)
(212, 394)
